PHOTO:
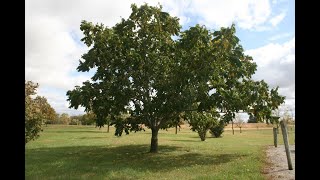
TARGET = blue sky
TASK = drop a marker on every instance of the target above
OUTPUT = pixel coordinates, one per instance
(266, 29)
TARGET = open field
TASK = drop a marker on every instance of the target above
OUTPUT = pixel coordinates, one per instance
(85, 152)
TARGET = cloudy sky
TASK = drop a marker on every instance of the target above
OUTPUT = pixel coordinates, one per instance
(53, 48)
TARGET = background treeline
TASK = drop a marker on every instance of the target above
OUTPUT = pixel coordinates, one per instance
(64, 118)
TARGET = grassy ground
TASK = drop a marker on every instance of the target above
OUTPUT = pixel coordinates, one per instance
(85, 152)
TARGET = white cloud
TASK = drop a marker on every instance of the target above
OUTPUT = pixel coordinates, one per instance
(248, 14)
(278, 1)
(279, 36)
(51, 53)
(273, 52)
(276, 65)
(277, 19)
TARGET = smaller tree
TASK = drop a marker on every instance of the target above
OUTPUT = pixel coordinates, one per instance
(176, 122)
(37, 111)
(201, 122)
(88, 119)
(54, 120)
(232, 122)
(239, 122)
(74, 120)
(64, 118)
(217, 130)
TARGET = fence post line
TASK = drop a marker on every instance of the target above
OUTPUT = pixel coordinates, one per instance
(286, 143)
(275, 137)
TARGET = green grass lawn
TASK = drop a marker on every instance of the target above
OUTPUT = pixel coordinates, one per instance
(85, 152)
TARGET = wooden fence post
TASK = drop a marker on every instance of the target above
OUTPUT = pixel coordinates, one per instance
(286, 143)
(275, 137)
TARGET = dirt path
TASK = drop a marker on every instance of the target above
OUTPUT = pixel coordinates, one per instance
(278, 164)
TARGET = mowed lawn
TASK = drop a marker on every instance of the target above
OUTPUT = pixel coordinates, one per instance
(86, 152)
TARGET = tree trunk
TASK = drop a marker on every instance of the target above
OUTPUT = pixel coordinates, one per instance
(275, 138)
(108, 127)
(154, 140)
(176, 129)
(232, 127)
(202, 135)
(240, 130)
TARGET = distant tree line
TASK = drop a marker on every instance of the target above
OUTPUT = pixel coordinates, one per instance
(64, 118)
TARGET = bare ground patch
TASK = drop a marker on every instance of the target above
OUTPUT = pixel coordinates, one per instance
(277, 164)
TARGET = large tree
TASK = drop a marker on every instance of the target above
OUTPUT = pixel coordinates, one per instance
(37, 111)
(142, 70)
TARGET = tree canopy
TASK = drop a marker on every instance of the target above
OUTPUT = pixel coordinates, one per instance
(37, 110)
(147, 67)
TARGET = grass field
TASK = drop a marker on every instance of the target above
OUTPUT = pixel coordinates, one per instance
(85, 152)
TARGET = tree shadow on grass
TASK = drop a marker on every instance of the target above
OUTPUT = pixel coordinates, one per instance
(99, 160)
(186, 140)
(207, 137)
(77, 131)
(94, 137)
(214, 137)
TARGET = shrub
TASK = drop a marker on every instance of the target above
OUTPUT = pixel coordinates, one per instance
(201, 122)
(217, 129)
